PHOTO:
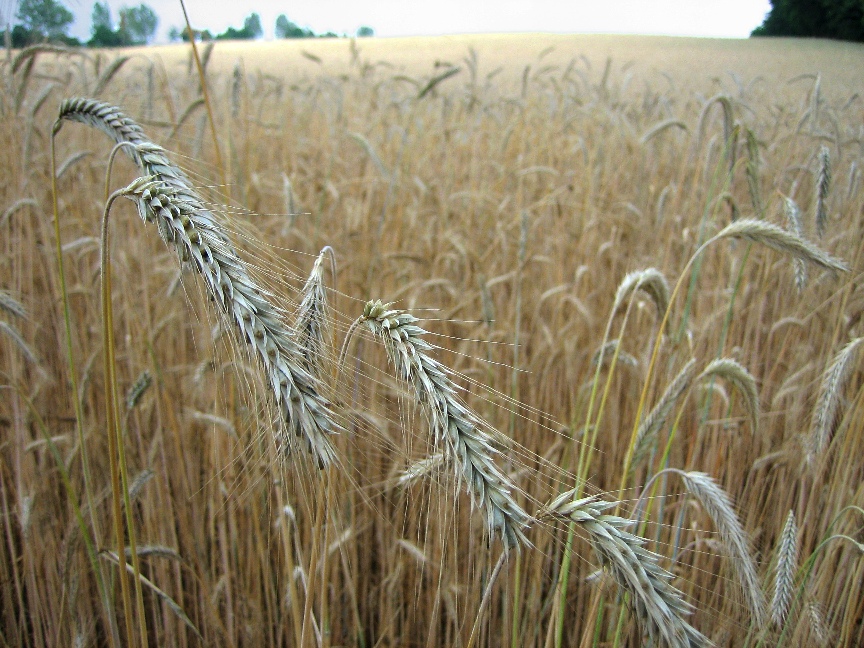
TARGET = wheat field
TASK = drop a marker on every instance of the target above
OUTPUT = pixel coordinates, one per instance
(572, 327)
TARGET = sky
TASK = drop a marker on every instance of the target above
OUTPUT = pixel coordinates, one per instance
(711, 18)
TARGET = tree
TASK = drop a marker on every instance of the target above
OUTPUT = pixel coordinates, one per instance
(365, 32)
(841, 19)
(252, 26)
(287, 29)
(102, 30)
(138, 24)
(250, 31)
(44, 19)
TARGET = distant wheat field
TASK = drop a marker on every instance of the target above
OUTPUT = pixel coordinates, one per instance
(500, 340)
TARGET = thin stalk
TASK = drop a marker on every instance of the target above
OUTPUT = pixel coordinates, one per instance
(206, 95)
(487, 595)
(76, 401)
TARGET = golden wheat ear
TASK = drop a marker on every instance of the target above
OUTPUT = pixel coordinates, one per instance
(166, 197)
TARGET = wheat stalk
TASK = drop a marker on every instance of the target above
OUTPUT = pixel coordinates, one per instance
(168, 199)
(452, 423)
(658, 606)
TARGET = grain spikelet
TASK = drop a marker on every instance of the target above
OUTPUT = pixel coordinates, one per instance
(658, 606)
(138, 388)
(460, 430)
(608, 350)
(718, 505)
(12, 333)
(825, 412)
(11, 305)
(656, 418)
(166, 197)
(650, 281)
(823, 186)
(787, 565)
(778, 239)
(659, 127)
(311, 324)
(793, 222)
(736, 375)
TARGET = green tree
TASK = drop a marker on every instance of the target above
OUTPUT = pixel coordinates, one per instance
(841, 19)
(102, 30)
(287, 29)
(250, 31)
(44, 19)
(365, 32)
(252, 26)
(138, 24)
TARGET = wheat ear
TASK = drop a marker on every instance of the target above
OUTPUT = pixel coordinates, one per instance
(825, 412)
(742, 380)
(193, 231)
(650, 281)
(787, 564)
(823, 186)
(451, 421)
(651, 424)
(718, 505)
(793, 220)
(778, 239)
(658, 606)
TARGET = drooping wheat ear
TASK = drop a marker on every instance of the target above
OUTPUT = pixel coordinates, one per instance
(451, 422)
(752, 171)
(652, 424)
(11, 305)
(742, 380)
(422, 468)
(793, 221)
(716, 502)
(310, 326)
(650, 281)
(606, 352)
(825, 412)
(823, 186)
(191, 229)
(778, 239)
(787, 565)
(658, 606)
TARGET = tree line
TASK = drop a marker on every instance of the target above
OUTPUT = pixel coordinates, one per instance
(838, 19)
(39, 21)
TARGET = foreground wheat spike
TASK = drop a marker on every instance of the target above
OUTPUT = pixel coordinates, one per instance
(451, 421)
(185, 224)
(658, 606)
(825, 412)
(784, 576)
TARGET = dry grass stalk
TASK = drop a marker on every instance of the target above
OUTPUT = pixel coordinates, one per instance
(452, 423)
(825, 412)
(185, 224)
(12, 333)
(823, 186)
(658, 606)
(11, 305)
(718, 505)
(656, 418)
(795, 225)
(787, 565)
(731, 371)
(778, 239)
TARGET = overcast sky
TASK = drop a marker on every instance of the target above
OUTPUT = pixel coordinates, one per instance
(722, 18)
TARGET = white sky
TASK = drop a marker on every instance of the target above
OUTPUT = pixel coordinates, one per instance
(719, 18)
